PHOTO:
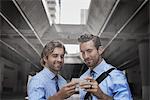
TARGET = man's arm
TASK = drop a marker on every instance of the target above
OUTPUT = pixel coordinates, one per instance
(92, 86)
(120, 87)
(102, 96)
(65, 92)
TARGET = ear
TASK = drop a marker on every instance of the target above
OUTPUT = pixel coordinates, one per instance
(45, 59)
(100, 50)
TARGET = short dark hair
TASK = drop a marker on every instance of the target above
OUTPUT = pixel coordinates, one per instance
(49, 48)
(88, 37)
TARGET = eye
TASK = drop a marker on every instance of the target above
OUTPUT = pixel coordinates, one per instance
(89, 50)
(62, 56)
(82, 52)
(55, 55)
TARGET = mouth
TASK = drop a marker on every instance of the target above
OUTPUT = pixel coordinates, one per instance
(58, 67)
(58, 64)
(88, 61)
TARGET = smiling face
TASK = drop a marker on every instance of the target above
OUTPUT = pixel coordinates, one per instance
(90, 54)
(55, 60)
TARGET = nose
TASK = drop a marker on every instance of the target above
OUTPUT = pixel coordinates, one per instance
(59, 58)
(86, 55)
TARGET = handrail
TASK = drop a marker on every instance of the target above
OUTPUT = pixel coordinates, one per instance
(28, 22)
(19, 54)
(19, 33)
(125, 24)
(108, 18)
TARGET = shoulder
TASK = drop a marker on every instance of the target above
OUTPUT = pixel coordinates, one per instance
(116, 73)
(37, 79)
(117, 76)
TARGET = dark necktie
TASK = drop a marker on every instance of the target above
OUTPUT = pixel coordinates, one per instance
(92, 73)
(56, 83)
(88, 95)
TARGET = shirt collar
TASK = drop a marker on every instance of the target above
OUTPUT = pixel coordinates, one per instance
(99, 69)
(50, 74)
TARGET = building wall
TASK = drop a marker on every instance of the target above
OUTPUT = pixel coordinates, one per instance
(8, 76)
(134, 79)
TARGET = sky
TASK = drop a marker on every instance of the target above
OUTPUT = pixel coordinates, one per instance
(72, 48)
(70, 14)
(70, 11)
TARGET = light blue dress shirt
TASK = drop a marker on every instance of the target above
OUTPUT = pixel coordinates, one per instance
(114, 85)
(42, 85)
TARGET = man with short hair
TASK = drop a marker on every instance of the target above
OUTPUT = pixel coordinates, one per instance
(48, 84)
(113, 87)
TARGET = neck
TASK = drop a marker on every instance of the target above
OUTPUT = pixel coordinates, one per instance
(55, 72)
(100, 60)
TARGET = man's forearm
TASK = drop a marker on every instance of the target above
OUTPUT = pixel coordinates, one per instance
(106, 97)
(103, 96)
(57, 96)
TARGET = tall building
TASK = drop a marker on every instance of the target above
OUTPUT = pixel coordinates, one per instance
(84, 16)
(51, 7)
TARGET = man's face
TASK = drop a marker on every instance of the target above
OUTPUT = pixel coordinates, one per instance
(55, 60)
(90, 54)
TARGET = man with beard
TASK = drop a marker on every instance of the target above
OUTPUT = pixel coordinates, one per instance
(113, 87)
(48, 84)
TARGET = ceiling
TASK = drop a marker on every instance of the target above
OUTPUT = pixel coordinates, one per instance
(121, 25)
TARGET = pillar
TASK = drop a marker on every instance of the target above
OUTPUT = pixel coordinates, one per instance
(144, 65)
(1, 77)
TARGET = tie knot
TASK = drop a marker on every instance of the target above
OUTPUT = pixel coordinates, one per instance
(92, 73)
(56, 77)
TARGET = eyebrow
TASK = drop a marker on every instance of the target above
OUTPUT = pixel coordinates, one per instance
(86, 50)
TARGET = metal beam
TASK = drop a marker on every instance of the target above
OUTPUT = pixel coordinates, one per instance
(13, 49)
(125, 24)
(28, 22)
(19, 33)
(127, 64)
(108, 18)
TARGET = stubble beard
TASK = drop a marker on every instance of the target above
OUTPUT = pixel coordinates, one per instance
(94, 64)
(55, 69)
